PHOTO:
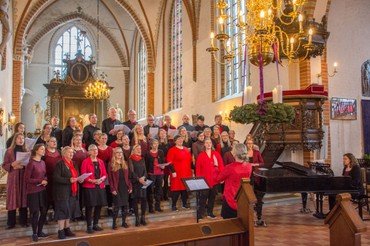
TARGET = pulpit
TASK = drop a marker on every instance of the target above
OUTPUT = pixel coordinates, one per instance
(66, 95)
(304, 133)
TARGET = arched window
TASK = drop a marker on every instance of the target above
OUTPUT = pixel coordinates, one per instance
(141, 81)
(72, 40)
(234, 76)
(175, 87)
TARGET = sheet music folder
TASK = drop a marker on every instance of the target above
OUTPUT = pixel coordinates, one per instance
(195, 184)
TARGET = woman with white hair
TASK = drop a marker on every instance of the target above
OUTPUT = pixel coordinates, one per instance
(231, 175)
(65, 191)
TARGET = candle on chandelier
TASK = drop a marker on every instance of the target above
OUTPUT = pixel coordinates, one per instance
(262, 16)
(292, 40)
(221, 22)
(300, 20)
(228, 46)
(212, 36)
(310, 32)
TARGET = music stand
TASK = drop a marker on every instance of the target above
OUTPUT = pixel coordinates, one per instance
(196, 184)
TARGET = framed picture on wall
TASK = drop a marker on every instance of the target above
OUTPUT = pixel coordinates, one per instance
(343, 109)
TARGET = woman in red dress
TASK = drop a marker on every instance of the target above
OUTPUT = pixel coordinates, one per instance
(180, 158)
(51, 158)
(118, 142)
(209, 163)
(105, 154)
(16, 189)
(231, 175)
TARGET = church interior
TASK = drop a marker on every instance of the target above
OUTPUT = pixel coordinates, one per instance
(265, 101)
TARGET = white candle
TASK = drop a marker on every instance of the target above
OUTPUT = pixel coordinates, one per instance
(279, 89)
(221, 22)
(248, 95)
(212, 36)
(274, 96)
(310, 32)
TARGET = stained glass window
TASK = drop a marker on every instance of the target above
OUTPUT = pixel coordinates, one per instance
(234, 76)
(141, 81)
(176, 57)
(72, 40)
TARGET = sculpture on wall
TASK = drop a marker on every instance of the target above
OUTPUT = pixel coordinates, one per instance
(120, 115)
(38, 111)
(4, 19)
(365, 78)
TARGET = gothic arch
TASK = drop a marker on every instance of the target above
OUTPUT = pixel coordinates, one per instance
(75, 16)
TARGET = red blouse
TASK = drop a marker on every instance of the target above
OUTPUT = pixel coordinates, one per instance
(232, 175)
(181, 161)
(205, 167)
(105, 155)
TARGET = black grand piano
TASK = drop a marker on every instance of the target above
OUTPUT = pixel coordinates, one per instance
(285, 177)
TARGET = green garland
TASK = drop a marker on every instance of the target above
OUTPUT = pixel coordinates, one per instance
(276, 113)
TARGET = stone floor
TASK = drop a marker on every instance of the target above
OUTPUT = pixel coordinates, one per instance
(285, 226)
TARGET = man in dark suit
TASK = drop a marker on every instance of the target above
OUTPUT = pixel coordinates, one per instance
(108, 125)
(88, 132)
(56, 131)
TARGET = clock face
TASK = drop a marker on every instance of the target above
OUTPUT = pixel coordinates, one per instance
(79, 73)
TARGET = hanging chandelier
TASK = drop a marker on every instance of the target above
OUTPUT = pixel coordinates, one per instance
(269, 30)
(98, 90)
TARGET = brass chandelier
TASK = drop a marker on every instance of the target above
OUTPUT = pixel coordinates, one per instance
(98, 90)
(269, 29)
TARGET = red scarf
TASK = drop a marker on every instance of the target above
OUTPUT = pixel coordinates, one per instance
(74, 174)
(135, 157)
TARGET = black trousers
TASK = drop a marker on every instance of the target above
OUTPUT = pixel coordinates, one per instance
(124, 212)
(227, 212)
(207, 200)
(176, 195)
(135, 204)
(165, 187)
(155, 191)
(89, 218)
(38, 218)
(22, 217)
(109, 196)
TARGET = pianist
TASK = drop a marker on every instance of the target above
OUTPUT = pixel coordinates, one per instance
(253, 154)
(352, 169)
(231, 175)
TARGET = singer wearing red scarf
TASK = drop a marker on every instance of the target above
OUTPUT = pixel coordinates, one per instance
(65, 191)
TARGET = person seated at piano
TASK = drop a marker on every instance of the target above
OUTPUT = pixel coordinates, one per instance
(351, 168)
(231, 175)
(254, 156)
(250, 137)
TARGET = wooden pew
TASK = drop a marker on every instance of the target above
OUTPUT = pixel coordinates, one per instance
(344, 222)
(234, 232)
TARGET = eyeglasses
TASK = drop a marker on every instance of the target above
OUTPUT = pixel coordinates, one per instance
(119, 152)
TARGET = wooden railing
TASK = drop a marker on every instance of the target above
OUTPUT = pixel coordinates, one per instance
(234, 232)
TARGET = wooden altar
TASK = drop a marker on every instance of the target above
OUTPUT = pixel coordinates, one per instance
(66, 96)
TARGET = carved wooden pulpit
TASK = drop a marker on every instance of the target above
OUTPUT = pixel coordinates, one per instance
(66, 96)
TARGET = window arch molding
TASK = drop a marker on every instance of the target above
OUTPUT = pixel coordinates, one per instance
(90, 34)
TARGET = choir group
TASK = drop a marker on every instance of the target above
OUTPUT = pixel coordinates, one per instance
(111, 166)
